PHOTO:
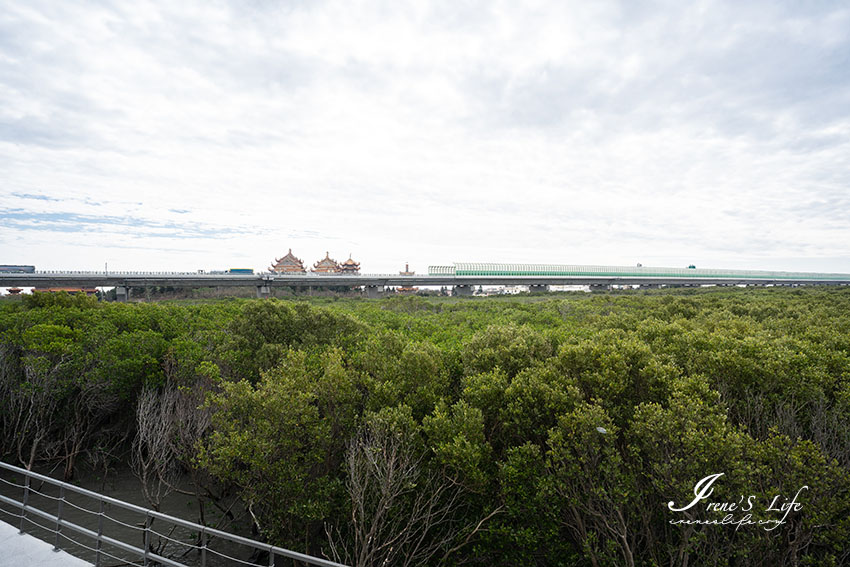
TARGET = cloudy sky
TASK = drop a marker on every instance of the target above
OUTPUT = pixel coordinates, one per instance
(183, 135)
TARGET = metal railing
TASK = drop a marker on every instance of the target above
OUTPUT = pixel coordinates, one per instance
(114, 273)
(209, 274)
(61, 528)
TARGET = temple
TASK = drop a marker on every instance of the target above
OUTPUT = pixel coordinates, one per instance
(326, 265)
(349, 266)
(404, 288)
(288, 264)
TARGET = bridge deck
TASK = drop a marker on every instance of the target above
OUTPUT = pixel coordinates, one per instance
(17, 550)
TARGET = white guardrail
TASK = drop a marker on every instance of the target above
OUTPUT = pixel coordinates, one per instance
(119, 550)
(194, 274)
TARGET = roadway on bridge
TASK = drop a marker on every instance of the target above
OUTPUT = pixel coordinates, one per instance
(23, 550)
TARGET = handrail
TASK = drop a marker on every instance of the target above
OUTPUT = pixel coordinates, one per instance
(25, 507)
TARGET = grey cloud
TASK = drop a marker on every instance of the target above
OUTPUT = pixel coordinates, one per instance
(40, 133)
(34, 197)
(72, 222)
(734, 77)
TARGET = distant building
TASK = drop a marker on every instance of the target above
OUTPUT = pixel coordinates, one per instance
(326, 265)
(349, 266)
(288, 264)
(407, 272)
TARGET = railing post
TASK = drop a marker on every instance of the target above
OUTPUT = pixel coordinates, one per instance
(147, 538)
(99, 544)
(59, 518)
(25, 499)
(204, 546)
(271, 556)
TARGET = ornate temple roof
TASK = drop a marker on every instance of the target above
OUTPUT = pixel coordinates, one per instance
(326, 264)
(350, 265)
(288, 263)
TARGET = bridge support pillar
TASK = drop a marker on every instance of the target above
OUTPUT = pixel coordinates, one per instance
(600, 287)
(374, 291)
(462, 290)
(263, 292)
(536, 288)
(122, 293)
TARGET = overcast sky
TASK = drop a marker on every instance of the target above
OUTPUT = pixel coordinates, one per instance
(182, 135)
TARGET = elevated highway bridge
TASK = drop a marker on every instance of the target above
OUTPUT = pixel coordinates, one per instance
(462, 278)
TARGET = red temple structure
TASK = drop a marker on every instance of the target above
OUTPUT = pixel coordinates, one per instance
(288, 264)
(326, 265)
(407, 272)
(349, 266)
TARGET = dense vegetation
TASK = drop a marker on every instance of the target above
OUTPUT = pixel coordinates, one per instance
(409, 431)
